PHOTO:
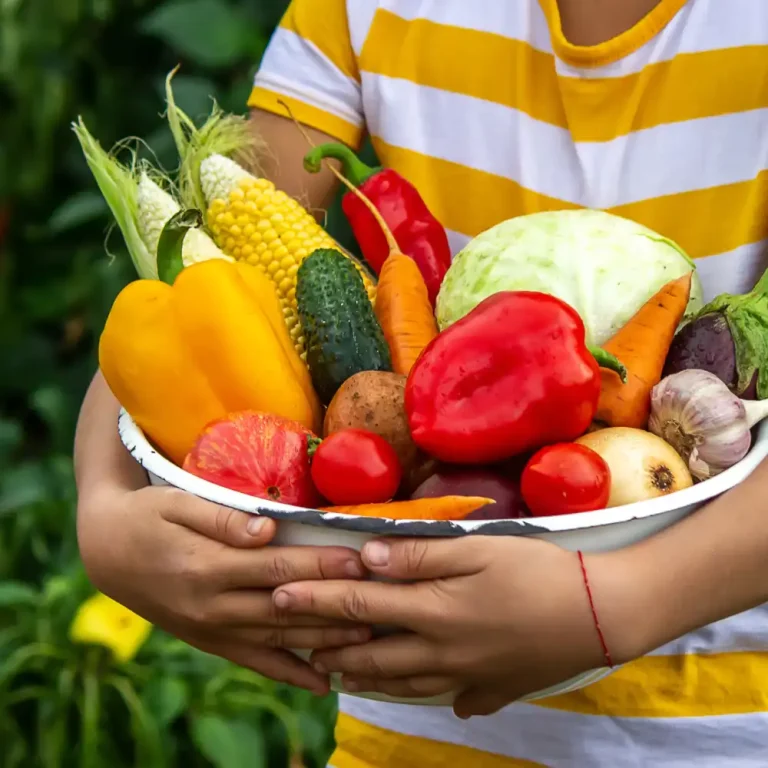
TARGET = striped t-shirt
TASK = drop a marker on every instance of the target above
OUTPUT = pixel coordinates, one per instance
(492, 113)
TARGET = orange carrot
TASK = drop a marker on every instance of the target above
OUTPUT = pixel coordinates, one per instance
(403, 308)
(642, 345)
(440, 508)
(404, 311)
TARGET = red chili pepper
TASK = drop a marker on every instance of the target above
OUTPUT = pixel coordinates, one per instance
(565, 478)
(511, 376)
(355, 466)
(417, 232)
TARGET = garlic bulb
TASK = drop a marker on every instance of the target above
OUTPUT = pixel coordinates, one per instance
(696, 413)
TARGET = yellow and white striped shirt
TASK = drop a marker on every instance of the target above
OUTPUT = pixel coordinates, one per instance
(491, 113)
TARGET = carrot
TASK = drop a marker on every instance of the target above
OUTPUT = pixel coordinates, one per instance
(404, 311)
(440, 508)
(642, 345)
(403, 308)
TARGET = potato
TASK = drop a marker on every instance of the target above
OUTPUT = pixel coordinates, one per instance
(374, 400)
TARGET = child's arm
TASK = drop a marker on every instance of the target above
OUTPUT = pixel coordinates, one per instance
(283, 163)
(710, 566)
(504, 616)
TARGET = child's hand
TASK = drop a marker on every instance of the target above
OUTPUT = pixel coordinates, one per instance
(497, 617)
(205, 574)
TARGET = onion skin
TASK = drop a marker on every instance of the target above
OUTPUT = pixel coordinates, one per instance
(642, 465)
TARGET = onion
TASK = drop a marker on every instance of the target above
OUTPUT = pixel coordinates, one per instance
(643, 466)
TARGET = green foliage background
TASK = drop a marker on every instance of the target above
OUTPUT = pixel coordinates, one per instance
(64, 705)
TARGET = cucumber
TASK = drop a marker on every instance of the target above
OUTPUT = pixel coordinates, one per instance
(342, 335)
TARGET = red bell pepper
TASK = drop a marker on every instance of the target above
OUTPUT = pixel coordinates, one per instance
(417, 232)
(513, 375)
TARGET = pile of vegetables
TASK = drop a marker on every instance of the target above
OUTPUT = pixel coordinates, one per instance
(562, 363)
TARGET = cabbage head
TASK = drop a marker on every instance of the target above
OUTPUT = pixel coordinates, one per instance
(606, 267)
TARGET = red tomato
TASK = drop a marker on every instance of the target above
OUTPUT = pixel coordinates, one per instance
(354, 466)
(565, 478)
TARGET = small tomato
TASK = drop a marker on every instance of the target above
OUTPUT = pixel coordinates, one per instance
(564, 478)
(355, 466)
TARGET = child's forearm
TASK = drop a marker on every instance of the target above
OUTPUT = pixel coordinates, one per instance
(712, 565)
(100, 457)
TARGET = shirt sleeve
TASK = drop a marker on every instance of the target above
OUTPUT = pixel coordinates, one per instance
(310, 65)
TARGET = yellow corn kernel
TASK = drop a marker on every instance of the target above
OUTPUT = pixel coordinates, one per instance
(254, 222)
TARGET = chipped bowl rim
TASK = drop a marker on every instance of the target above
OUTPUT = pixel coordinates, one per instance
(156, 464)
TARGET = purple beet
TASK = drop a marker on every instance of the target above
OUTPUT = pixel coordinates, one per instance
(462, 481)
(729, 338)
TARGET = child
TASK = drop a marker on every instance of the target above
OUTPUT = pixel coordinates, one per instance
(656, 110)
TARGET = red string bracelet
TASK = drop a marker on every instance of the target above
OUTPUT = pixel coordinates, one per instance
(603, 644)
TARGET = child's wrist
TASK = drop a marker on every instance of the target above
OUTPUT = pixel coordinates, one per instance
(627, 604)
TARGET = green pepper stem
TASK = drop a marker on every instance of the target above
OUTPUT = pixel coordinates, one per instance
(353, 167)
(607, 360)
(313, 443)
(169, 247)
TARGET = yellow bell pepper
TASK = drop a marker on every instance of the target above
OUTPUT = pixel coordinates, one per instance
(179, 356)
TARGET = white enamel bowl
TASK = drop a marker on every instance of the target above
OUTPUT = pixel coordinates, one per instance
(600, 531)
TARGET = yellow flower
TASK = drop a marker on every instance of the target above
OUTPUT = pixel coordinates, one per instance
(103, 621)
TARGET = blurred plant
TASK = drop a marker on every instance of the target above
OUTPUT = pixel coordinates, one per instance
(93, 702)
(66, 703)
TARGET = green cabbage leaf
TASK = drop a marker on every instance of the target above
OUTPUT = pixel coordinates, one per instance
(606, 267)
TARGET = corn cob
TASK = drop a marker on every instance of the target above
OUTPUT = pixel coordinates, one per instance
(156, 207)
(253, 222)
(140, 207)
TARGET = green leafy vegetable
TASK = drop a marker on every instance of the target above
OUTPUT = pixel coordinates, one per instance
(606, 267)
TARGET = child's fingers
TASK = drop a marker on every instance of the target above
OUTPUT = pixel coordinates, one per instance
(404, 688)
(396, 656)
(480, 701)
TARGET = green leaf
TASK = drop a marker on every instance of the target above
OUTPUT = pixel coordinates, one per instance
(54, 408)
(165, 698)
(193, 95)
(58, 587)
(229, 743)
(9, 637)
(10, 437)
(15, 593)
(146, 734)
(80, 209)
(90, 733)
(26, 360)
(211, 32)
(15, 750)
(22, 486)
(53, 730)
(29, 655)
(169, 246)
